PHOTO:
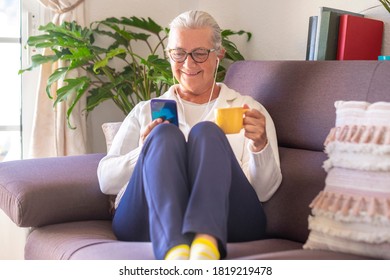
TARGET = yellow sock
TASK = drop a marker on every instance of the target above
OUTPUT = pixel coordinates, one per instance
(179, 252)
(203, 249)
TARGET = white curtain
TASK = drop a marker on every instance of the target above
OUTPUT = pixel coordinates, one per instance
(51, 135)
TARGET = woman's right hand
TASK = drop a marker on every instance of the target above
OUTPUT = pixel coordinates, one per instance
(149, 128)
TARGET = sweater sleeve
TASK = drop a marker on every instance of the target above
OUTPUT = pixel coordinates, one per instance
(264, 172)
(263, 168)
(115, 169)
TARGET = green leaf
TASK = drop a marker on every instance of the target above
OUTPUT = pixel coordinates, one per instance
(141, 23)
(79, 93)
(48, 27)
(34, 40)
(227, 33)
(72, 86)
(39, 59)
(97, 96)
(74, 64)
(78, 57)
(68, 34)
(232, 52)
(111, 54)
(159, 69)
(126, 35)
(59, 73)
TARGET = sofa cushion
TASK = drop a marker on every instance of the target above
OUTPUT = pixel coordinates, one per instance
(109, 130)
(94, 240)
(61, 241)
(352, 213)
(300, 254)
(36, 192)
(303, 179)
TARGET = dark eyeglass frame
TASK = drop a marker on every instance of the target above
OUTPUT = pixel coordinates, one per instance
(191, 54)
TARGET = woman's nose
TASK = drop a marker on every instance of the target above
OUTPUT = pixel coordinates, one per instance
(189, 60)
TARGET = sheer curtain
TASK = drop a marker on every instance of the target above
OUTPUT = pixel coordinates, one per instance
(51, 136)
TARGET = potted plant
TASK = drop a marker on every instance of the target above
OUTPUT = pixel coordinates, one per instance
(123, 60)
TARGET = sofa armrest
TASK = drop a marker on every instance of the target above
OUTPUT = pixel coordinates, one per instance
(38, 192)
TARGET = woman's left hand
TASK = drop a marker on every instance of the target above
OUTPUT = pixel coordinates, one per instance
(254, 126)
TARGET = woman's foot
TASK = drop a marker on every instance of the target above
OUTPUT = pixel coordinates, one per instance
(204, 247)
(179, 252)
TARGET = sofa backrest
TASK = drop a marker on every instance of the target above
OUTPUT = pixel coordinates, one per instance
(300, 97)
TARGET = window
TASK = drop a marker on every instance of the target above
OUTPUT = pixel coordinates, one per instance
(10, 92)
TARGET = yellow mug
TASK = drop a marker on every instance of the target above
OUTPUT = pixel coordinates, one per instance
(230, 120)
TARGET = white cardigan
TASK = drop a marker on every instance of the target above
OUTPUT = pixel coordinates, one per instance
(262, 169)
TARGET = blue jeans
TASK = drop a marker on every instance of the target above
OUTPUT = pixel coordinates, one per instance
(179, 188)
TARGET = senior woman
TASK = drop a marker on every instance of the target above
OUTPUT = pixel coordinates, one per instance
(190, 189)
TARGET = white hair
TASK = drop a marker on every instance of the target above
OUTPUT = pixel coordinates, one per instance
(198, 19)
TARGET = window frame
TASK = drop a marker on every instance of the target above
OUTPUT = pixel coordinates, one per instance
(13, 127)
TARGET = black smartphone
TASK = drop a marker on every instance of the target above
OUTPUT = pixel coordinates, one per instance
(165, 109)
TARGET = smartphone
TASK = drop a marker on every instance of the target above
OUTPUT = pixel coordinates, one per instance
(165, 109)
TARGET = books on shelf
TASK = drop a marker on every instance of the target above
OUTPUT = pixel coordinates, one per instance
(359, 38)
(311, 37)
(326, 43)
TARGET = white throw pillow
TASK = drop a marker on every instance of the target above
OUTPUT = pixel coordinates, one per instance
(352, 213)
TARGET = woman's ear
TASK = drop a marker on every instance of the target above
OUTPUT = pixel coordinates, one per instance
(221, 54)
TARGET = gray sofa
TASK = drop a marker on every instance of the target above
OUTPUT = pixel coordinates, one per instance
(60, 200)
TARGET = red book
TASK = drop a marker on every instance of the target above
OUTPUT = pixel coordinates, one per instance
(360, 38)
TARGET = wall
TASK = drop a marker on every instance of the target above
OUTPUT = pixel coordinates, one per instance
(12, 239)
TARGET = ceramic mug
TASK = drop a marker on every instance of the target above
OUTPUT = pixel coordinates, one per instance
(230, 120)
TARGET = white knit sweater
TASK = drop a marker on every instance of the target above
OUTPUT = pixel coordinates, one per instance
(262, 168)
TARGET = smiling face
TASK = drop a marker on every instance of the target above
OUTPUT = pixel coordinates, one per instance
(195, 79)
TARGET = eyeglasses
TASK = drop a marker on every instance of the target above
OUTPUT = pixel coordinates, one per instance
(199, 55)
